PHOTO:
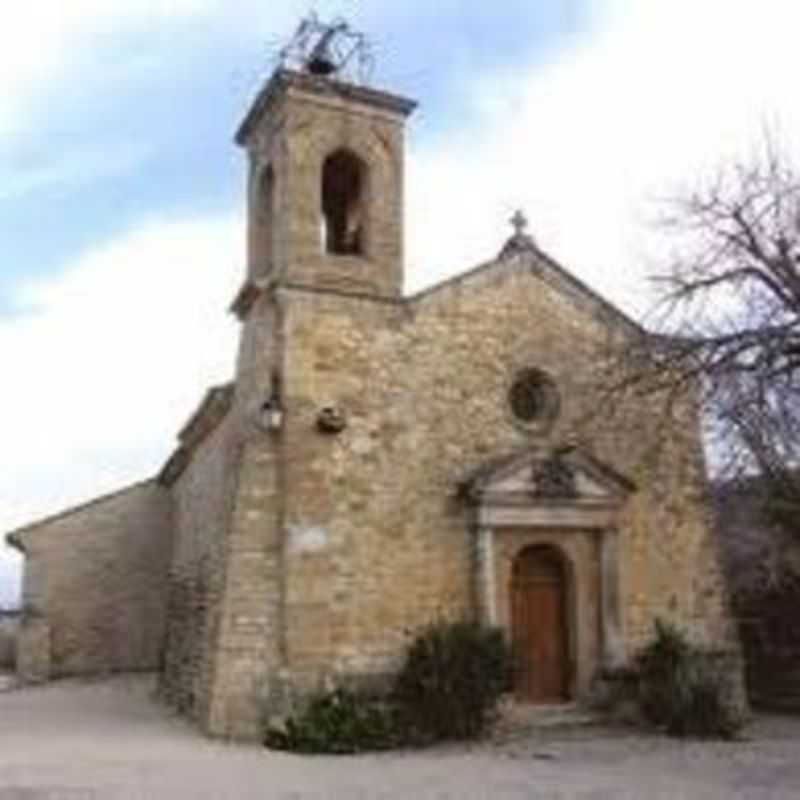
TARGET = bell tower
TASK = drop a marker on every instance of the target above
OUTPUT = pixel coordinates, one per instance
(326, 156)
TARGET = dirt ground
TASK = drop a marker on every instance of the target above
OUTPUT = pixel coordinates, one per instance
(108, 739)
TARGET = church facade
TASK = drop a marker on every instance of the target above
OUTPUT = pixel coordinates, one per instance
(381, 461)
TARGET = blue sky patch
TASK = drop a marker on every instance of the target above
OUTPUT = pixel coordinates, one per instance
(139, 125)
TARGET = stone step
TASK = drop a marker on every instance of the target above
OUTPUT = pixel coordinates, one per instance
(521, 716)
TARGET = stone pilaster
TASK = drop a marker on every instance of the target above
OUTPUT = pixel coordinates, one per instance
(487, 589)
(246, 657)
(613, 654)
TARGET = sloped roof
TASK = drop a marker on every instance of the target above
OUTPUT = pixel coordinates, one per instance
(203, 422)
(534, 259)
(14, 538)
(549, 270)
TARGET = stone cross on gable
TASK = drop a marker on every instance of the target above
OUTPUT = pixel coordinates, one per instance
(519, 222)
(520, 241)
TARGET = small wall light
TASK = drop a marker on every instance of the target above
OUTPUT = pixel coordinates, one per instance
(270, 416)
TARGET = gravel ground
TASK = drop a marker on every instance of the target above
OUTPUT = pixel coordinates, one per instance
(108, 739)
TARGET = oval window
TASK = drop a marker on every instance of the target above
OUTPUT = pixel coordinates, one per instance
(533, 398)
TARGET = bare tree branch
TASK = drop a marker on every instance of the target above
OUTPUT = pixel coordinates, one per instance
(727, 324)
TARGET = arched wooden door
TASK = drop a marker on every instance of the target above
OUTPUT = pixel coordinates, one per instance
(539, 626)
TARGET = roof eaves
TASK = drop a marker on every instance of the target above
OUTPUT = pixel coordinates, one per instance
(536, 256)
(204, 421)
(287, 79)
(14, 537)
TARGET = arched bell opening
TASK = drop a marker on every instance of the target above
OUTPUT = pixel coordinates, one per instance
(262, 220)
(344, 196)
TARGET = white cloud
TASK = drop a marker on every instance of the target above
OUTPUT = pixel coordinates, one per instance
(44, 39)
(110, 358)
(107, 360)
(74, 168)
(588, 143)
(121, 346)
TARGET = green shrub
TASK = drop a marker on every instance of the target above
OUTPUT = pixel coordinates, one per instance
(340, 721)
(452, 678)
(665, 667)
(448, 688)
(681, 690)
(708, 713)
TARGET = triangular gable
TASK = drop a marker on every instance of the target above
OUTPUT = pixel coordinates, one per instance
(564, 475)
(534, 260)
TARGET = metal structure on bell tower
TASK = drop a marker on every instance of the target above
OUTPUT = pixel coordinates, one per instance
(328, 50)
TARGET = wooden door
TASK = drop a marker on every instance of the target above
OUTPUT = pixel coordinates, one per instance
(538, 623)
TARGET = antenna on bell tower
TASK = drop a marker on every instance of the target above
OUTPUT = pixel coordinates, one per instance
(328, 50)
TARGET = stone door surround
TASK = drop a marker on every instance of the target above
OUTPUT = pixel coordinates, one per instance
(551, 497)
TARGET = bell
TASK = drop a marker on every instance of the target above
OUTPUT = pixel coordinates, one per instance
(321, 61)
(319, 65)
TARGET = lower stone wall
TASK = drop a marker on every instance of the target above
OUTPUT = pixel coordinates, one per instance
(729, 665)
(203, 498)
(188, 606)
(96, 579)
(34, 662)
(248, 642)
(9, 629)
(771, 648)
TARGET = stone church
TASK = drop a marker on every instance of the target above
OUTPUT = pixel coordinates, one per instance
(381, 461)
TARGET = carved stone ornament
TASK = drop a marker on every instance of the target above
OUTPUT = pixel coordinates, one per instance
(331, 420)
(554, 480)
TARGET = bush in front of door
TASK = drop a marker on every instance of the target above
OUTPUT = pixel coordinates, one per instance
(448, 689)
(452, 679)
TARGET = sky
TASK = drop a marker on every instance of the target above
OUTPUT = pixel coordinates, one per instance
(122, 202)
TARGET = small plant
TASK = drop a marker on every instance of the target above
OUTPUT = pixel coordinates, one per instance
(448, 688)
(338, 722)
(681, 690)
(453, 676)
(664, 669)
(709, 714)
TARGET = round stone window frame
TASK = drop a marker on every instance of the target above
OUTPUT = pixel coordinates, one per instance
(538, 387)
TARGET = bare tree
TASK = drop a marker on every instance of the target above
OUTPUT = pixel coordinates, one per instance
(728, 320)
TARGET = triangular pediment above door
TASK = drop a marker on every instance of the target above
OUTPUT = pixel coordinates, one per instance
(553, 476)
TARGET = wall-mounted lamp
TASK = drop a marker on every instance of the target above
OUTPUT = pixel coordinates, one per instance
(270, 415)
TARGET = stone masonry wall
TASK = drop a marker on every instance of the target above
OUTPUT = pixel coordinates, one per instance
(9, 632)
(203, 505)
(225, 577)
(247, 646)
(96, 577)
(334, 549)
(34, 651)
(304, 128)
(376, 542)
(248, 554)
